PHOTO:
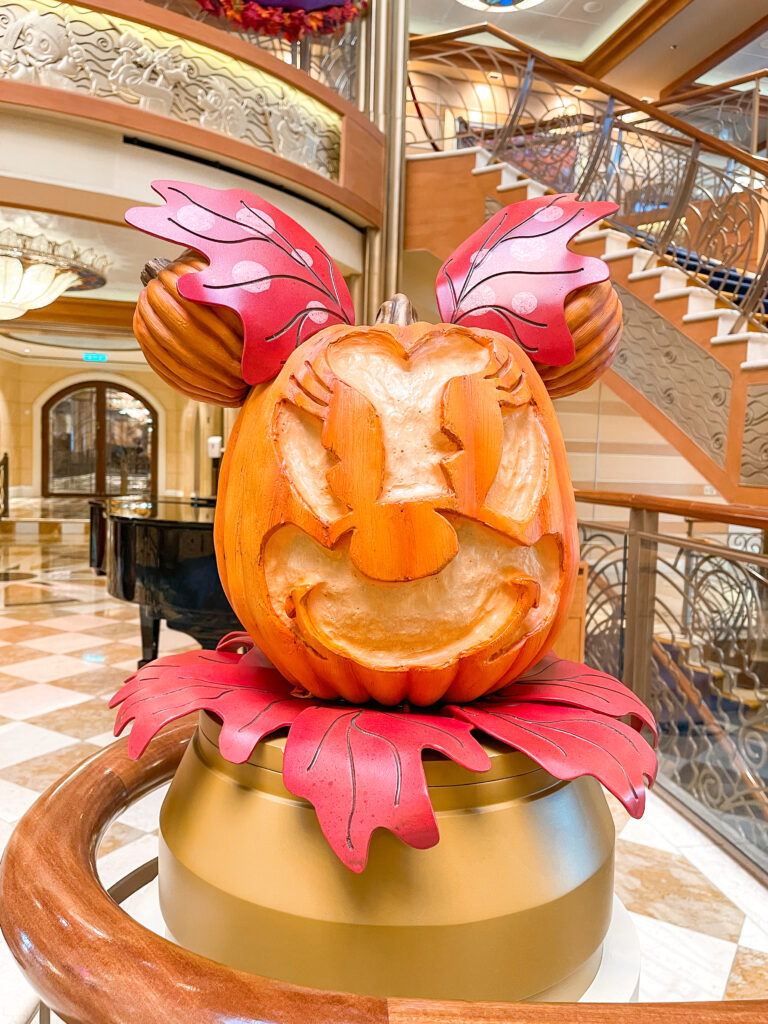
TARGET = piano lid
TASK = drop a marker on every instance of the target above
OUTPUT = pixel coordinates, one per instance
(182, 511)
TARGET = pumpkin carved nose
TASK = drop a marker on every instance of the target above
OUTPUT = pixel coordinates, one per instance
(401, 541)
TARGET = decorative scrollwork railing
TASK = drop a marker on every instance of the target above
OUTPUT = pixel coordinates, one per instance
(691, 200)
(683, 619)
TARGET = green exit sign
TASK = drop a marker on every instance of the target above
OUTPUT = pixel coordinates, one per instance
(95, 357)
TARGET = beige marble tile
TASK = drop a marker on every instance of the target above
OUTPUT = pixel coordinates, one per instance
(749, 975)
(48, 668)
(41, 772)
(15, 800)
(84, 721)
(618, 812)
(38, 699)
(10, 623)
(74, 623)
(96, 681)
(14, 653)
(20, 741)
(680, 964)
(117, 835)
(667, 887)
(64, 643)
(29, 631)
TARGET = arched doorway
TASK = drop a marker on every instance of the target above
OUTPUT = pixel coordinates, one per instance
(99, 438)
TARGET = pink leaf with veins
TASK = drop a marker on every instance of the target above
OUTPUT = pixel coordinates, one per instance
(262, 264)
(570, 742)
(514, 274)
(555, 680)
(251, 700)
(361, 769)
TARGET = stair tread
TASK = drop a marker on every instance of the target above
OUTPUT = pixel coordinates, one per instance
(711, 314)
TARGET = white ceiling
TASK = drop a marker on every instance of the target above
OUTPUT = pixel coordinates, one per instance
(569, 29)
(753, 57)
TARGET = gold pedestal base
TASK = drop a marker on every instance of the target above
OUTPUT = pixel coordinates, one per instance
(514, 900)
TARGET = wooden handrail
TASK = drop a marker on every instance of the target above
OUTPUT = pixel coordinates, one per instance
(704, 511)
(704, 90)
(573, 74)
(94, 964)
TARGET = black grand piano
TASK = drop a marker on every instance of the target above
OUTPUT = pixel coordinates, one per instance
(159, 554)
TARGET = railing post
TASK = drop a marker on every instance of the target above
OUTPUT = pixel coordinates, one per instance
(5, 488)
(596, 156)
(516, 111)
(682, 201)
(641, 602)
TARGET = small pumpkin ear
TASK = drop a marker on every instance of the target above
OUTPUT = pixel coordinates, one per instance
(514, 274)
(261, 263)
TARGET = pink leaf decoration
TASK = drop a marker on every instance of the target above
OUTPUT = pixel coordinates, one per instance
(555, 680)
(262, 264)
(250, 700)
(361, 769)
(514, 274)
(571, 742)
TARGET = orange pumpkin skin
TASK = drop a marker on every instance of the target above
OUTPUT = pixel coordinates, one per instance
(195, 348)
(593, 315)
(395, 517)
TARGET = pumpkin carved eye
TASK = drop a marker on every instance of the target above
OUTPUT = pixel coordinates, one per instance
(416, 543)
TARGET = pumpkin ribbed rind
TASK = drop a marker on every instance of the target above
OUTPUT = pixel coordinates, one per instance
(195, 348)
(594, 318)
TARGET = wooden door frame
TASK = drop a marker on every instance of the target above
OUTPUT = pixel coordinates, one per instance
(101, 446)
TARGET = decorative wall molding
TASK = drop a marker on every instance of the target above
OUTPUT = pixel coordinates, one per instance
(72, 48)
(754, 451)
(688, 386)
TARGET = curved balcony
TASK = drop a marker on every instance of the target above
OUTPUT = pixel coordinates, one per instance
(178, 83)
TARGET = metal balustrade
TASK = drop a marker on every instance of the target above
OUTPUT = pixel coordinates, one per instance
(680, 613)
(690, 199)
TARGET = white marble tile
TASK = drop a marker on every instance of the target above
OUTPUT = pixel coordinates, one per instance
(145, 813)
(129, 665)
(7, 623)
(117, 864)
(679, 964)
(15, 800)
(103, 739)
(39, 699)
(20, 741)
(731, 879)
(63, 643)
(74, 623)
(673, 826)
(18, 999)
(47, 669)
(172, 640)
(641, 830)
(6, 827)
(754, 936)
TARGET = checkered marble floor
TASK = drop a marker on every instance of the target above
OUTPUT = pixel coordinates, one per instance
(66, 646)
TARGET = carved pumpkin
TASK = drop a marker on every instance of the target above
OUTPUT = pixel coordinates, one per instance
(395, 516)
(195, 348)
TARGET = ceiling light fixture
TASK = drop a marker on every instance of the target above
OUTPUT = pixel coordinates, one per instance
(500, 6)
(36, 269)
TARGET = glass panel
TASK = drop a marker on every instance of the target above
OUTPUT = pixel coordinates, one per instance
(129, 439)
(72, 438)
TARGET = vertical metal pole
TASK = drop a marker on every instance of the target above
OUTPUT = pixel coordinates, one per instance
(387, 69)
(756, 97)
(641, 603)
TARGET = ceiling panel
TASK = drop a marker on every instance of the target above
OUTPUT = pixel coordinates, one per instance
(569, 29)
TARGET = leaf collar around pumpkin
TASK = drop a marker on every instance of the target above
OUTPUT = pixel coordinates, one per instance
(361, 767)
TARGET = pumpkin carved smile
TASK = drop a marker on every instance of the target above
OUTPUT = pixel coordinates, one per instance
(411, 533)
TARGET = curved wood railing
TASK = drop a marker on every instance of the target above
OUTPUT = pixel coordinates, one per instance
(93, 964)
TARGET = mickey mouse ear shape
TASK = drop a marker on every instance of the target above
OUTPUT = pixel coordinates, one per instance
(514, 274)
(262, 264)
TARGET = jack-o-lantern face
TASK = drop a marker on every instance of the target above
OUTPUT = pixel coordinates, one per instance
(395, 516)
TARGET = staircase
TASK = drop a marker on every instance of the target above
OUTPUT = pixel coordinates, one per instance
(492, 124)
(701, 385)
